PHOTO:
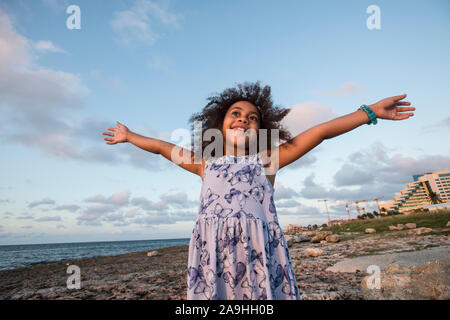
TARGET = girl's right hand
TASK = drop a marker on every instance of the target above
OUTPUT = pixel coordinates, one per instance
(118, 135)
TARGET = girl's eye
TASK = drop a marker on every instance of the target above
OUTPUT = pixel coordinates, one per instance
(235, 113)
(254, 118)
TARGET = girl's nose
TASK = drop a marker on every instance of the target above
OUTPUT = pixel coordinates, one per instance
(243, 119)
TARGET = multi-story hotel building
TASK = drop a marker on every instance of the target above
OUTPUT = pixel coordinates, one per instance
(416, 195)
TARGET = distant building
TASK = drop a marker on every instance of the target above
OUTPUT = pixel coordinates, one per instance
(335, 222)
(440, 206)
(292, 229)
(416, 195)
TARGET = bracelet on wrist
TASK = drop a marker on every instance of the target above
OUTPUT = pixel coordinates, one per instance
(370, 113)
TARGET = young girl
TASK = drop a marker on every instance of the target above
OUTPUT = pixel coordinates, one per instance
(237, 249)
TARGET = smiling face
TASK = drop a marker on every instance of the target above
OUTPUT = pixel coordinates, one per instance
(240, 125)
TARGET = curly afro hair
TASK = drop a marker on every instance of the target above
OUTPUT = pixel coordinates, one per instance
(213, 114)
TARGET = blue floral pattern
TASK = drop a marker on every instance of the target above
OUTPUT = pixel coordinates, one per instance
(237, 249)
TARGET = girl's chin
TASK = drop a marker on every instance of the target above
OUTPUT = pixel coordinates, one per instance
(237, 142)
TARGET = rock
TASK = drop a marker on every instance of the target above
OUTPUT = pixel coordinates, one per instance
(314, 252)
(23, 295)
(410, 225)
(400, 227)
(420, 231)
(48, 293)
(289, 242)
(152, 253)
(448, 223)
(320, 236)
(321, 296)
(370, 230)
(308, 233)
(323, 242)
(332, 238)
(392, 228)
(396, 268)
(428, 281)
(301, 238)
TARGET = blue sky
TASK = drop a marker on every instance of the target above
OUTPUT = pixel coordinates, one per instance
(152, 64)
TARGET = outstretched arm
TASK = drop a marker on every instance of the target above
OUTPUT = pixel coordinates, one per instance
(166, 149)
(295, 148)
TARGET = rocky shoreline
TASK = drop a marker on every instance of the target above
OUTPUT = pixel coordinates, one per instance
(162, 275)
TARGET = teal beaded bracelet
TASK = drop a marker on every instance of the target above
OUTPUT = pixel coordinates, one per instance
(370, 113)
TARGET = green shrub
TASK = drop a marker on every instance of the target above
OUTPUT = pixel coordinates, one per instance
(437, 219)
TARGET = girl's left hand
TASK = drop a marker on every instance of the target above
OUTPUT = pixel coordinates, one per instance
(389, 108)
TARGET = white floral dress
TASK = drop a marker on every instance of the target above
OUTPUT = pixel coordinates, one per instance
(237, 249)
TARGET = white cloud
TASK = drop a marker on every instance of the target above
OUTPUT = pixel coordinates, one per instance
(13, 47)
(46, 200)
(304, 161)
(301, 210)
(49, 218)
(47, 46)
(26, 217)
(287, 203)
(24, 86)
(282, 192)
(436, 126)
(167, 201)
(36, 103)
(56, 5)
(70, 208)
(306, 115)
(163, 211)
(373, 172)
(33, 97)
(137, 24)
(92, 219)
(349, 175)
(120, 198)
(347, 89)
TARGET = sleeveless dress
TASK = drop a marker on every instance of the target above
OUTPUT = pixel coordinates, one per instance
(237, 250)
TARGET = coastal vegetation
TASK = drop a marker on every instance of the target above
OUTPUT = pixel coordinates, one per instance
(428, 219)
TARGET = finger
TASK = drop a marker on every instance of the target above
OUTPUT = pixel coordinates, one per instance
(112, 129)
(403, 116)
(400, 97)
(108, 139)
(403, 103)
(403, 109)
(108, 133)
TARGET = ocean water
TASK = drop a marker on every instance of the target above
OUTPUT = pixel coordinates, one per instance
(17, 256)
